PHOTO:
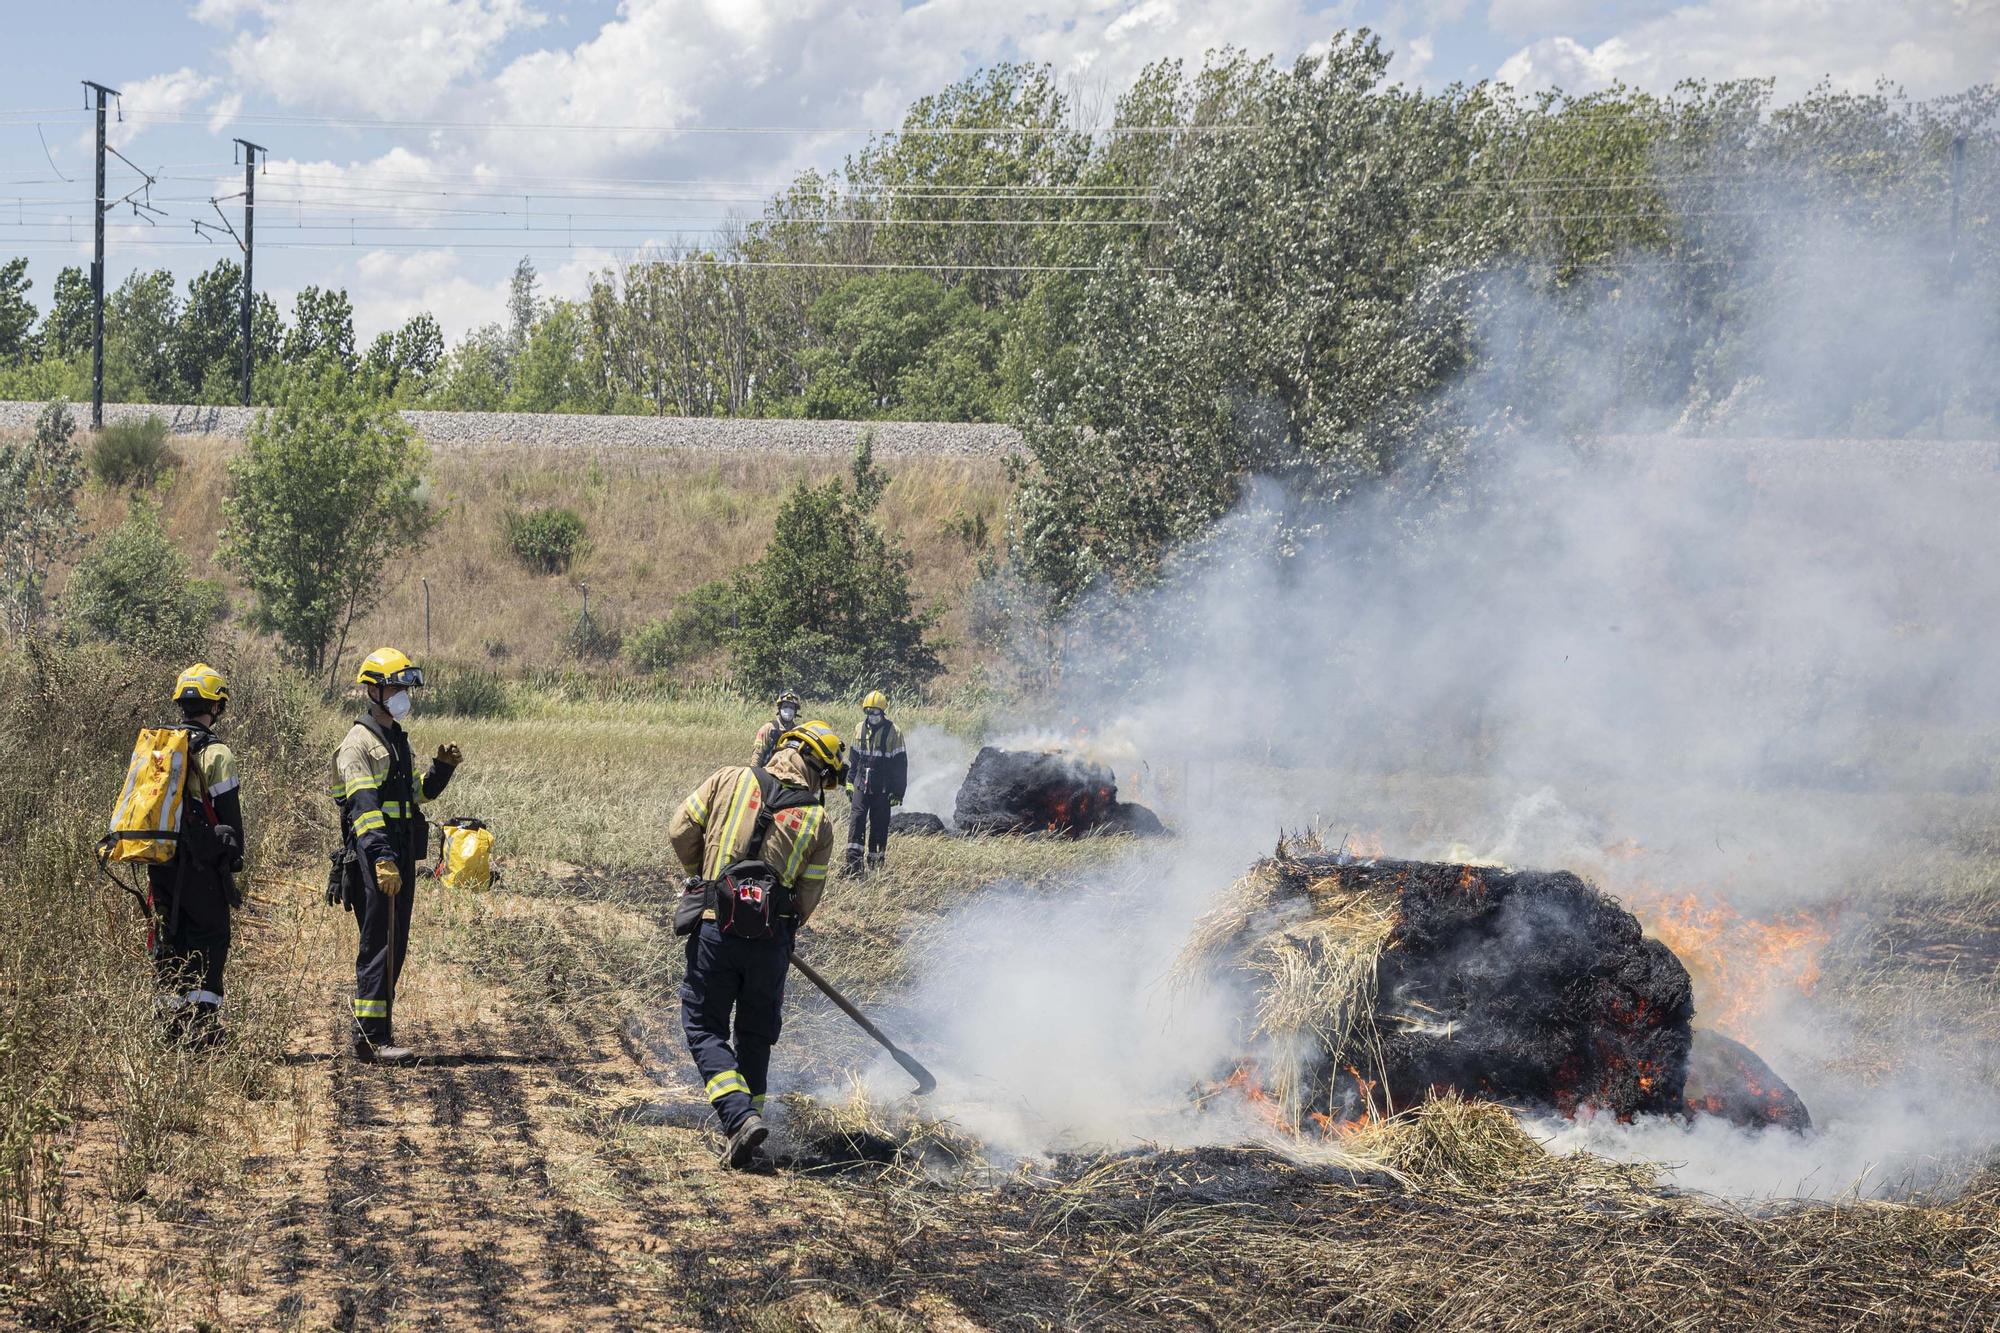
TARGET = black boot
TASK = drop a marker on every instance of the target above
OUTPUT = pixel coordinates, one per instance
(743, 1144)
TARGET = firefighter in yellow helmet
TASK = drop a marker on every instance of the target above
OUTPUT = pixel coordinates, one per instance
(881, 776)
(384, 837)
(756, 843)
(192, 894)
(766, 743)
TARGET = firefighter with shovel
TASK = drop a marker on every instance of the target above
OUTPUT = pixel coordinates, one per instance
(382, 828)
(754, 843)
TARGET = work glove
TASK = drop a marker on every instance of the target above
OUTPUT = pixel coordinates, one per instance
(388, 878)
(895, 800)
(450, 756)
(690, 883)
(232, 847)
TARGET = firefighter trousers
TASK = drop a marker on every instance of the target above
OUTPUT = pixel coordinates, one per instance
(867, 828)
(377, 967)
(190, 937)
(740, 981)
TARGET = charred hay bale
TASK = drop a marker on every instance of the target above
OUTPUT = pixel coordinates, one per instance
(1384, 983)
(1527, 986)
(1726, 1078)
(1034, 791)
(1136, 820)
(916, 824)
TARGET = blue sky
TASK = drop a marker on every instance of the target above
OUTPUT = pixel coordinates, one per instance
(402, 166)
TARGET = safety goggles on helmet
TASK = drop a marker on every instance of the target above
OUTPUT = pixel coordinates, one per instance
(876, 701)
(388, 666)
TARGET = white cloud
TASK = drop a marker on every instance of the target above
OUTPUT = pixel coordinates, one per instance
(839, 63)
(1521, 17)
(388, 287)
(1926, 46)
(376, 57)
(175, 92)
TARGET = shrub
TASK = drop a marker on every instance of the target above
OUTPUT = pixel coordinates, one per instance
(133, 587)
(468, 692)
(829, 606)
(545, 540)
(131, 452)
(39, 525)
(697, 626)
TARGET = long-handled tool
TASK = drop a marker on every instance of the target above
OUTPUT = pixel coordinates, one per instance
(926, 1084)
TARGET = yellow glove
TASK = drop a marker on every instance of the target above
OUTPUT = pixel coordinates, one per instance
(388, 878)
(450, 754)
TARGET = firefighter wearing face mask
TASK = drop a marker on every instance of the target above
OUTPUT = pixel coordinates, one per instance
(382, 823)
(879, 776)
(766, 744)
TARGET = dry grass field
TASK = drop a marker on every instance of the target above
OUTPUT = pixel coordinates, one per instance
(657, 525)
(552, 1165)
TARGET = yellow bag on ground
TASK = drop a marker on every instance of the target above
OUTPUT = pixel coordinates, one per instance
(146, 824)
(467, 862)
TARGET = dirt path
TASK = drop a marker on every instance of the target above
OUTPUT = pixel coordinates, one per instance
(538, 1170)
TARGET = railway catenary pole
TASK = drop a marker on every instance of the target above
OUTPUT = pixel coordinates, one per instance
(250, 151)
(97, 270)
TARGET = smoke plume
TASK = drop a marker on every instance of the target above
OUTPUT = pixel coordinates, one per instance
(1751, 669)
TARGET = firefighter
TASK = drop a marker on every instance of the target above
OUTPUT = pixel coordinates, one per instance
(192, 893)
(382, 823)
(881, 775)
(766, 828)
(767, 735)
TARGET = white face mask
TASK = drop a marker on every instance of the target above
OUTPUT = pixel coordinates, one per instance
(398, 704)
(875, 717)
(788, 714)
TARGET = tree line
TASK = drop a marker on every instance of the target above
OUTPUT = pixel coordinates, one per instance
(1250, 268)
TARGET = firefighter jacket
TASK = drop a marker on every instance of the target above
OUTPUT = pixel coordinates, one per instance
(380, 802)
(716, 825)
(878, 764)
(216, 786)
(766, 743)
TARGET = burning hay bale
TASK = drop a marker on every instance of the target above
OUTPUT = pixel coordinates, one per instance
(1044, 791)
(1381, 984)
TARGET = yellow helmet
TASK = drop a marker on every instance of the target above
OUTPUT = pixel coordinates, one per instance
(201, 683)
(875, 699)
(822, 743)
(790, 697)
(389, 666)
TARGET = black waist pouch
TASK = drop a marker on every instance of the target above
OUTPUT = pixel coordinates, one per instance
(695, 901)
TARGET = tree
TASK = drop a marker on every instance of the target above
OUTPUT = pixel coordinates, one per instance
(140, 318)
(39, 525)
(207, 340)
(134, 587)
(322, 322)
(521, 305)
(401, 363)
(17, 316)
(829, 604)
(326, 496)
(903, 345)
(66, 329)
(553, 372)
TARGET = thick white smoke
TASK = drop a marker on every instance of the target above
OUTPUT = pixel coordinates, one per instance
(1756, 670)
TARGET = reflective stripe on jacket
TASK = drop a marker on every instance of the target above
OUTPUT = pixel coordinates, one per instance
(878, 763)
(380, 801)
(713, 829)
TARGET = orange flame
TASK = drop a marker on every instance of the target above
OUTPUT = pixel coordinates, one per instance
(1740, 966)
